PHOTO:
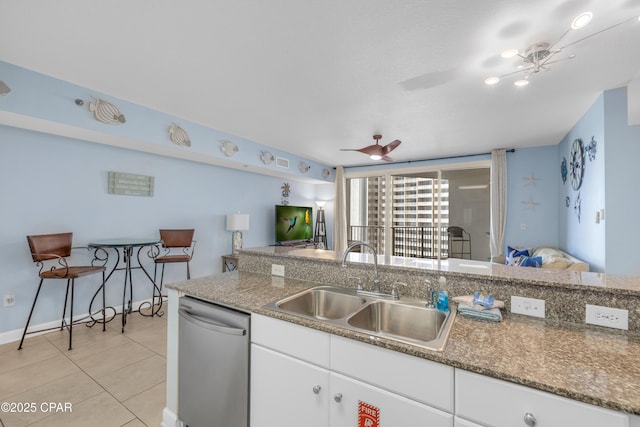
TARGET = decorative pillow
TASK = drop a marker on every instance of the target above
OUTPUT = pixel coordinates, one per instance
(530, 261)
(514, 254)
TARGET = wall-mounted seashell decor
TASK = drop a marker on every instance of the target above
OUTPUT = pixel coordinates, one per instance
(266, 157)
(228, 148)
(106, 112)
(303, 167)
(179, 136)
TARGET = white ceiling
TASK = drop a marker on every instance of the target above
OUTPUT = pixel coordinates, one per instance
(311, 77)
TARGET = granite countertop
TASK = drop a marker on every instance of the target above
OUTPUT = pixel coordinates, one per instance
(585, 364)
(468, 268)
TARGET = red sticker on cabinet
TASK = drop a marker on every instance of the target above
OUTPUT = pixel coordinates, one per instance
(368, 415)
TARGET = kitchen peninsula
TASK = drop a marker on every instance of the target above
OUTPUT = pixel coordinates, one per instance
(559, 356)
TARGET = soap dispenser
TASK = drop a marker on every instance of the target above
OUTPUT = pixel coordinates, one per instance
(443, 296)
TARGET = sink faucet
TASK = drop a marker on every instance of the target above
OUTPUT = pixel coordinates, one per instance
(351, 247)
(430, 294)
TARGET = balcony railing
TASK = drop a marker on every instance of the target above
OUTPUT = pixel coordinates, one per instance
(413, 242)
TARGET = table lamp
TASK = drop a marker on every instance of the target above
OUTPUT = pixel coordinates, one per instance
(237, 223)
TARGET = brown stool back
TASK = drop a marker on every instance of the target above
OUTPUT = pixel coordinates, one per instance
(52, 250)
(178, 246)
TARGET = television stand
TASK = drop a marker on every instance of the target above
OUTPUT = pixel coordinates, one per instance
(297, 244)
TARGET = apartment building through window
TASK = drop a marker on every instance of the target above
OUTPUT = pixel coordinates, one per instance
(408, 214)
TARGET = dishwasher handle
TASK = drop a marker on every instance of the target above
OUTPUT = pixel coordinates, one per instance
(210, 324)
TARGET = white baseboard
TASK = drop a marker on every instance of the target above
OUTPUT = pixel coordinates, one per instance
(16, 334)
(169, 418)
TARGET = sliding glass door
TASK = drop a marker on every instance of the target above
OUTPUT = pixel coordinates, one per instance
(408, 212)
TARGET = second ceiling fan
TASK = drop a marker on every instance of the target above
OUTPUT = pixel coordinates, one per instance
(377, 151)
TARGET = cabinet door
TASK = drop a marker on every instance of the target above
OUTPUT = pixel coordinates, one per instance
(393, 410)
(497, 403)
(287, 392)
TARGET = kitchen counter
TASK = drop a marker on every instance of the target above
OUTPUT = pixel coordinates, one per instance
(585, 364)
(567, 279)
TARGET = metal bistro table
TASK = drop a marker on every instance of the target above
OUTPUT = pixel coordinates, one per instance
(125, 262)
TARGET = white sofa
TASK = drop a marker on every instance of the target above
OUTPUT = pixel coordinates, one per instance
(553, 258)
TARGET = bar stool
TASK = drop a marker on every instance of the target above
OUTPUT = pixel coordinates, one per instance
(178, 246)
(463, 238)
(57, 248)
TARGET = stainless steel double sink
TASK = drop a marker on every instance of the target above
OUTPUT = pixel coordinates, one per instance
(407, 320)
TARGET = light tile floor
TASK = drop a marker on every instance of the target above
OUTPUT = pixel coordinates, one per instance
(108, 379)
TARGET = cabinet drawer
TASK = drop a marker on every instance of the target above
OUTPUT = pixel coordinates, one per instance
(298, 341)
(497, 403)
(419, 379)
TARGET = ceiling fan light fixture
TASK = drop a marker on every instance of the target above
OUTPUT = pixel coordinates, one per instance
(521, 82)
(375, 157)
(581, 20)
(490, 81)
(509, 53)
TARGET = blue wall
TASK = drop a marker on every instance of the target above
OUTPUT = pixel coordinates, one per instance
(52, 179)
(582, 237)
(54, 184)
(622, 149)
(532, 197)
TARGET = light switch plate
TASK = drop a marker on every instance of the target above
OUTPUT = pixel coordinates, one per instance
(528, 306)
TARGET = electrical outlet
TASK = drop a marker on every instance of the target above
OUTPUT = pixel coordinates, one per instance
(528, 306)
(277, 270)
(9, 299)
(607, 316)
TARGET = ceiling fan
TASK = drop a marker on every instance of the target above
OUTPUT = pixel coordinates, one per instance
(537, 57)
(377, 151)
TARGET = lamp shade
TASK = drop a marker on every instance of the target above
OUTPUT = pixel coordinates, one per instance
(237, 222)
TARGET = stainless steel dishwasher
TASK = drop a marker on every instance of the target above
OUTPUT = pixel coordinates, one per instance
(213, 365)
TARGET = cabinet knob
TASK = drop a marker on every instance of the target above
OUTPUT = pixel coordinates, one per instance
(337, 397)
(529, 419)
(316, 389)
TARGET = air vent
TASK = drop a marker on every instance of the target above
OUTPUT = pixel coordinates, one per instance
(281, 162)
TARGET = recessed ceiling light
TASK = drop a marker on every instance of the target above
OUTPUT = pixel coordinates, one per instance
(491, 81)
(581, 20)
(521, 83)
(509, 53)
(374, 157)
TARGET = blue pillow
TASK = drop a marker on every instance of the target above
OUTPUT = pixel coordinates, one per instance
(530, 261)
(514, 254)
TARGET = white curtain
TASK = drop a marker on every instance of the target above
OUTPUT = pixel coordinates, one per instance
(340, 213)
(498, 201)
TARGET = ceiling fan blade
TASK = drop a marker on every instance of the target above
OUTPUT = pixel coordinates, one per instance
(377, 149)
(391, 146)
(370, 150)
(513, 73)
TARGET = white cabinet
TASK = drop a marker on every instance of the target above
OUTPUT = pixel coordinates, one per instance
(291, 339)
(304, 377)
(287, 392)
(348, 395)
(293, 383)
(497, 403)
(418, 379)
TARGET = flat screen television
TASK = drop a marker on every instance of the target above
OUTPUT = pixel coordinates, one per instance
(293, 223)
